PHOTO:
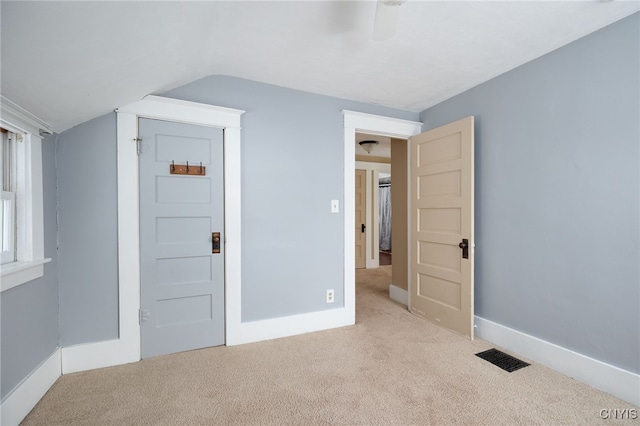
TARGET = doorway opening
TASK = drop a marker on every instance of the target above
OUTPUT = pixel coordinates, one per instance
(357, 122)
(373, 161)
(386, 243)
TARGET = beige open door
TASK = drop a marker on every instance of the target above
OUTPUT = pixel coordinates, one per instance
(361, 212)
(442, 225)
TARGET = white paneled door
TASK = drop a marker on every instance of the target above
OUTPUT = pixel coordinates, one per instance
(181, 257)
(442, 191)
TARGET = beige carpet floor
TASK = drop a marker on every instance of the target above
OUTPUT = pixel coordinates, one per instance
(390, 368)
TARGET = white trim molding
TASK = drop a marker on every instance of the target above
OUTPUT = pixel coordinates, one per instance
(26, 395)
(90, 356)
(380, 125)
(292, 325)
(13, 113)
(16, 273)
(600, 375)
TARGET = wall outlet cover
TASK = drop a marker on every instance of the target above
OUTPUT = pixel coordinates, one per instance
(330, 296)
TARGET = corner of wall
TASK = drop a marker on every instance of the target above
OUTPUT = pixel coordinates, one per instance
(26, 395)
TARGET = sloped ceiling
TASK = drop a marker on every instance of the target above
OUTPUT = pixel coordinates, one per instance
(67, 62)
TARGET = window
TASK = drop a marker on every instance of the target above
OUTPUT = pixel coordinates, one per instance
(8, 206)
(21, 213)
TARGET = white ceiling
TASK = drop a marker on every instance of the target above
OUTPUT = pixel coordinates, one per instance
(68, 62)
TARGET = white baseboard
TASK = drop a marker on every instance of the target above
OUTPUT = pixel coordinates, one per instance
(607, 378)
(90, 356)
(399, 295)
(26, 395)
(256, 331)
(107, 353)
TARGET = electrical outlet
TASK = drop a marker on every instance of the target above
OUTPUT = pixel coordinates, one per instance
(330, 297)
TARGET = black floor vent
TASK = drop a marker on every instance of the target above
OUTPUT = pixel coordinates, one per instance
(502, 360)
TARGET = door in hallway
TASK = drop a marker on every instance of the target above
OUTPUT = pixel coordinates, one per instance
(181, 279)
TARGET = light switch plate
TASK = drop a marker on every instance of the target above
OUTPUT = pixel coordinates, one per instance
(335, 206)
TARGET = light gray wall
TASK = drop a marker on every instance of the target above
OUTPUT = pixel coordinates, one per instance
(29, 312)
(292, 166)
(557, 191)
(87, 208)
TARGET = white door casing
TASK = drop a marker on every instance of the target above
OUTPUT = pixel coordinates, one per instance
(373, 124)
(442, 216)
(155, 107)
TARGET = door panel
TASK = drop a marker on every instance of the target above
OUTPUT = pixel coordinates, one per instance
(361, 212)
(181, 281)
(442, 191)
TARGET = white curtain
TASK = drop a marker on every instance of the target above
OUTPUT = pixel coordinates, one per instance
(385, 214)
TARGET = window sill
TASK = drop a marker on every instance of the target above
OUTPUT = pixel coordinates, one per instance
(16, 273)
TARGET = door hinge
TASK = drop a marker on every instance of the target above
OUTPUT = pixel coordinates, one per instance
(143, 315)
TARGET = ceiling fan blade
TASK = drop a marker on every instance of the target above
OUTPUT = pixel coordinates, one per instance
(386, 20)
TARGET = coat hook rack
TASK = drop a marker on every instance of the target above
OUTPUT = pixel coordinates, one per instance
(184, 169)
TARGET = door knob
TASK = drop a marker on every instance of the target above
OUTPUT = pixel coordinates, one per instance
(362, 227)
(215, 242)
(464, 245)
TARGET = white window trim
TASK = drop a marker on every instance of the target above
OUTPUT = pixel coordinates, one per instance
(29, 200)
(8, 227)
